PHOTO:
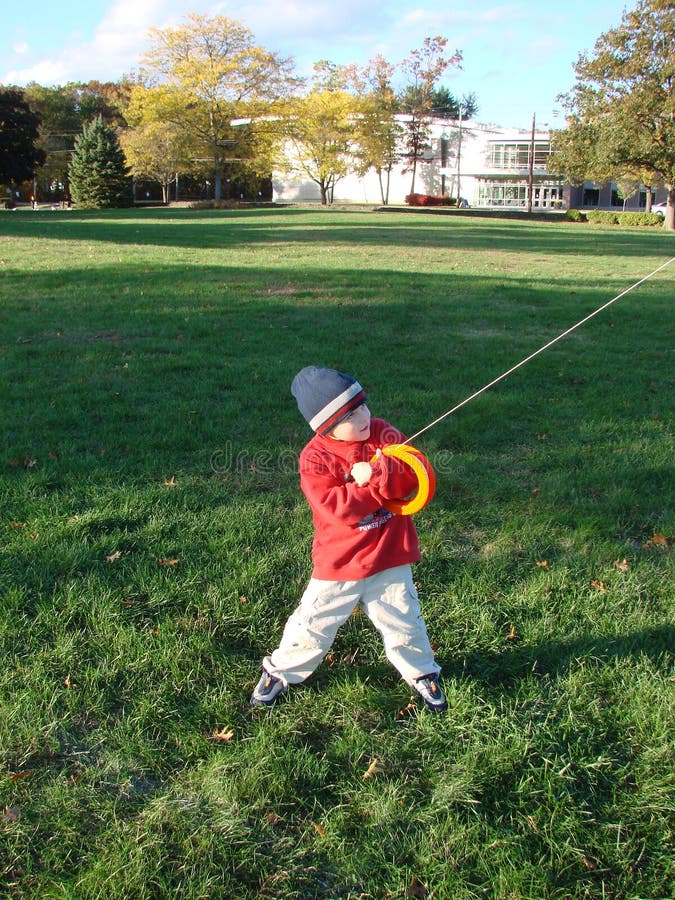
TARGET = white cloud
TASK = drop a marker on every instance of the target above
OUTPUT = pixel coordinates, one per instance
(114, 48)
(47, 71)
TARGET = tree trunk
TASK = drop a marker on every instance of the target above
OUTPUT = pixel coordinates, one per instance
(382, 194)
(669, 219)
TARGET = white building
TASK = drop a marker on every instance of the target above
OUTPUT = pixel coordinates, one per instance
(489, 166)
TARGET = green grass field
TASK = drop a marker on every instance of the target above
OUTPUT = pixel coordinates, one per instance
(154, 540)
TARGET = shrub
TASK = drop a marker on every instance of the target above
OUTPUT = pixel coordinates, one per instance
(602, 217)
(605, 217)
(640, 218)
(215, 204)
(575, 215)
(430, 200)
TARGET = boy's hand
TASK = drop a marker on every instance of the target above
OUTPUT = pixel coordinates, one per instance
(361, 473)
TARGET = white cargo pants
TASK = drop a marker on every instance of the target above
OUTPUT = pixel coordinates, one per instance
(390, 601)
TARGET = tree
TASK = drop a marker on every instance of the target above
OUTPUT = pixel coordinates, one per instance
(444, 104)
(98, 173)
(423, 67)
(154, 147)
(216, 74)
(63, 111)
(376, 131)
(320, 129)
(19, 153)
(622, 108)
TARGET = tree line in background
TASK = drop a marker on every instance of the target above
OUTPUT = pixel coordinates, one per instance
(213, 107)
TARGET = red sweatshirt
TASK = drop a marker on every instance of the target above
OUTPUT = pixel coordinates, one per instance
(354, 536)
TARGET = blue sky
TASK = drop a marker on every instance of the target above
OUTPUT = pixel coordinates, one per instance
(517, 56)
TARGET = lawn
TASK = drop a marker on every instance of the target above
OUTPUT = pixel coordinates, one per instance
(154, 540)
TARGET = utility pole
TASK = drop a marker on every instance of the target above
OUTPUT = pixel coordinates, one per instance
(459, 157)
(530, 179)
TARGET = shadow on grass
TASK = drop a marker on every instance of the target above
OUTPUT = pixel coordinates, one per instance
(555, 657)
(203, 230)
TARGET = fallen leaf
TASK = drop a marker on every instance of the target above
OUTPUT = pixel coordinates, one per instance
(171, 482)
(543, 564)
(373, 769)
(29, 462)
(598, 585)
(24, 773)
(53, 455)
(113, 556)
(416, 889)
(621, 566)
(34, 537)
(320, 830)
(167, 562)
(657, 540)
(225, 734)
(590, 864)
(273, 819)
(18, 524)
(11, 814)
(512, 635)
(536, 491)
(68, 683)
(407, 710)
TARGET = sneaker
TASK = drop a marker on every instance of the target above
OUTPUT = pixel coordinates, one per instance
(267, 690)
(431, 692)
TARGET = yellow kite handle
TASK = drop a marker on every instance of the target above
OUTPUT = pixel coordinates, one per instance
(426, 479)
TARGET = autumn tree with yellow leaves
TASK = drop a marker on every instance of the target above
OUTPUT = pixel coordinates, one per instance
(212, 72)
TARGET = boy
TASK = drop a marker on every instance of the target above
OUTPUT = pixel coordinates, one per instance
(362, 553)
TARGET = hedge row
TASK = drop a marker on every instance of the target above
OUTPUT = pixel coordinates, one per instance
(605, 217)
(215, 204)
(430, 200)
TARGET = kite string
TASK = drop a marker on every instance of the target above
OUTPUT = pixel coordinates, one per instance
(536, 353)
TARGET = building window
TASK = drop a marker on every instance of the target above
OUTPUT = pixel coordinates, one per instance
(545, 195)
(591, 197)
(517, 156)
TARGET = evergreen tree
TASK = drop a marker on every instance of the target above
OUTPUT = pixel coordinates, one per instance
(98, 172)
